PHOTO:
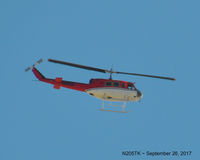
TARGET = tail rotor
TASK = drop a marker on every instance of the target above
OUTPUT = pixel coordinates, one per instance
(31, 67)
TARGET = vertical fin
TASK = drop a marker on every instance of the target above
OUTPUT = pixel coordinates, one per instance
(38, 74)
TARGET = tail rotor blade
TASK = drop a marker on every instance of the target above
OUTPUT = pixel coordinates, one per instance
(30, 67)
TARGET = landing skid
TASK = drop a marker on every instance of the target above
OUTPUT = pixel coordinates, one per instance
(122, 106)
(113, 111)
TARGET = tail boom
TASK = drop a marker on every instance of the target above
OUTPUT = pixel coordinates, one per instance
(58, 82)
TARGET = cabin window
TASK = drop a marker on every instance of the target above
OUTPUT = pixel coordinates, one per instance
(123, 85)
(108, 83)
(116, 84)
(130, 86)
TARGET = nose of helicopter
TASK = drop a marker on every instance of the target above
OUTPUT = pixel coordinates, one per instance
(139, 94)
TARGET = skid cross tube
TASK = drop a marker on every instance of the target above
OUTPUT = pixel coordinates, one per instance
(113, 105)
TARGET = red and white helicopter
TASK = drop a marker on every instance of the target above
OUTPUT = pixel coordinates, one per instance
(104, 89)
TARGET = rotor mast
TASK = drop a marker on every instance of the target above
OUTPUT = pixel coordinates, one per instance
(111, 72)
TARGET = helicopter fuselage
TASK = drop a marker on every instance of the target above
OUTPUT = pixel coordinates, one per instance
(113, 90)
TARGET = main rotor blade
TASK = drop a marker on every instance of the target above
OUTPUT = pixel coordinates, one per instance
(107, 71)
(145, 75)
(79, 66)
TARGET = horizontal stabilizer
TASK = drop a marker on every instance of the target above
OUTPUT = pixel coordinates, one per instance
(58, 79)
(56, 86)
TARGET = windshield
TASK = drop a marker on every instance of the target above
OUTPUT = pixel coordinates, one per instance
(131, 86)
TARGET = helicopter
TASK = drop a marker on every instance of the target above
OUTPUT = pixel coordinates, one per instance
(105, 89)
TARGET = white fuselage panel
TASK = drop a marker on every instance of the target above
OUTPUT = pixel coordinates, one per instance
(114, 94)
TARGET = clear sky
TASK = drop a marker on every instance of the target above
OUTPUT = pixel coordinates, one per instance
(144, 36)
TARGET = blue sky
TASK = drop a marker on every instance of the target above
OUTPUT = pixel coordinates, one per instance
(148, 36)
